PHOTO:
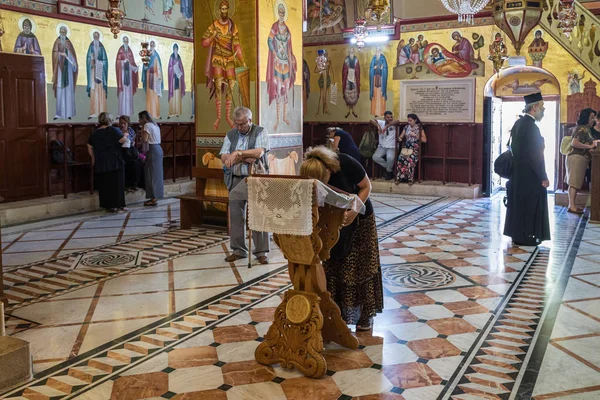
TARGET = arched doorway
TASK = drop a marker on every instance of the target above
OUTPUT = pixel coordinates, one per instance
(503, 103)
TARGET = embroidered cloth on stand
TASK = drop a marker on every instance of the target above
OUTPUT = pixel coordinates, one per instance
(281, 205)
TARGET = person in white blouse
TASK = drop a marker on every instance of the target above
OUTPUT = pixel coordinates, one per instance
(153, 168)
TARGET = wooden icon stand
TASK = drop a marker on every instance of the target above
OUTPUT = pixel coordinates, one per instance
(308, 315)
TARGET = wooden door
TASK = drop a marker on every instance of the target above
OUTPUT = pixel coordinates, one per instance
(22, 116)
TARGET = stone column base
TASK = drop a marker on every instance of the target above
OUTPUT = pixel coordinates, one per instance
(15, 362)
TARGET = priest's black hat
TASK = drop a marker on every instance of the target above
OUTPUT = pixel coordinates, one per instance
(533, 98)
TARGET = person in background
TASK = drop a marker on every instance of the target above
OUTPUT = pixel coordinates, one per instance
(353, 271)
(343, 142)
(413, 135)
(527, 221)
(153, 167)
(596, 127)
(386, 149)
(130, 154)
(242, 147)
(579, 158)
(104, 148)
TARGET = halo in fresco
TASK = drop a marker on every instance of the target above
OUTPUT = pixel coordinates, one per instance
(33, 24)
(173, 45)
(153, 39)
(276, 7)
(217, 9)
(125, 35)
(60, 25)
(99, 32)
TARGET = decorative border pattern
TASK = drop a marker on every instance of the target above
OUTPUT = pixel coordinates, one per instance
(84, 12)
(72, 378)
(30, 5)
(42, 280)
(499, 358)
(430, 26)
(276, 141)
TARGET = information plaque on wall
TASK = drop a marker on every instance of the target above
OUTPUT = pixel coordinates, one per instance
(452, 100)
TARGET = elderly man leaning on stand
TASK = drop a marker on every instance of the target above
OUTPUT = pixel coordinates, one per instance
(245, 145)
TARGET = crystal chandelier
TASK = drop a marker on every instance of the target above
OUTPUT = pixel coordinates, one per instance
(465, 9)
(360, 32)
(115, 15)
(567, 17)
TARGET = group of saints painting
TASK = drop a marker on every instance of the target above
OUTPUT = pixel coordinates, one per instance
(66, 68)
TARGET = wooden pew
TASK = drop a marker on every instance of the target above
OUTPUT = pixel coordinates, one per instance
(191, 204)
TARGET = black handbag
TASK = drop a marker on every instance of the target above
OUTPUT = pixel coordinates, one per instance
(504, 163)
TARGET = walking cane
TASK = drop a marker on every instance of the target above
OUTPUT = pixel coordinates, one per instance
(248, 230)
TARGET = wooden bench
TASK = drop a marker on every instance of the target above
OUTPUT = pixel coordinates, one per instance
(191, 205)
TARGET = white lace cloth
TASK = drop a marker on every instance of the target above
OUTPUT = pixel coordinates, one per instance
(284, 205)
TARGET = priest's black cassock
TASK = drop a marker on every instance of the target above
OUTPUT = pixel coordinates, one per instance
(527, 208)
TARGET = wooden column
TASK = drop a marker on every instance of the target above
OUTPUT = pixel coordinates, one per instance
(595, 189)
(3, 298)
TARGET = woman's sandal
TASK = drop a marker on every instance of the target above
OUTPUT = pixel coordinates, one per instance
(578, 212)
(150, 203)
(365, 327)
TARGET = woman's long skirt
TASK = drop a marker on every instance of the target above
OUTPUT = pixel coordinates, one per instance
(111, 189)
(153, 173)
(355, 280)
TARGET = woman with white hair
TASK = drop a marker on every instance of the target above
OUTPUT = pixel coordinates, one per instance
(104, 148)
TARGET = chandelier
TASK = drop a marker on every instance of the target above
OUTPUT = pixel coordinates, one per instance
(465, 9)
(360, 32)
(376, 11)
(145, 52)
(567, 17)
(115, 15)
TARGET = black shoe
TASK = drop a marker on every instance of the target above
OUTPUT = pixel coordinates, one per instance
(388, 176)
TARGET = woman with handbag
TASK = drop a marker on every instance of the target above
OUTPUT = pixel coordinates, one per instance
(579, 157)
(130, 154)
(104, 148)
(412, 137)
(353, 271)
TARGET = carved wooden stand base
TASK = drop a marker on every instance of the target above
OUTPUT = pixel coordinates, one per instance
(308, 315)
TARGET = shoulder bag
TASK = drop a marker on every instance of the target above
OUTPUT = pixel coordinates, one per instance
(504, 163)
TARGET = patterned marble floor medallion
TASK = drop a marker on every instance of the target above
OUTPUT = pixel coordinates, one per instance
(108, 259)
(417, 276)
(423, 276)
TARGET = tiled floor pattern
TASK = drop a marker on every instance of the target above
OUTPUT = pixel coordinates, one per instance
(570, 368)
(37, 282)
(445, 278)
(35, 242)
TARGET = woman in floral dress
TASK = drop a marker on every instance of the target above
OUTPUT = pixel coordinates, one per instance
(411, 138)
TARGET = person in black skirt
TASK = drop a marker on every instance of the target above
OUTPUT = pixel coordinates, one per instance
(133, 165)
(104, 147)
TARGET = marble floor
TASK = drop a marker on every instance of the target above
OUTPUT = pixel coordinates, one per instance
(151, 311)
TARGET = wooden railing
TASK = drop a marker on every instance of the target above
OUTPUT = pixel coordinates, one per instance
(453, 152)
(178, 142)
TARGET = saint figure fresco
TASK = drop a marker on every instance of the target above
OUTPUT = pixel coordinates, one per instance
(378, 77)
(97, 75)
(127, 78)
(64, 75)
(152, 81)
(224, 49)
(351, 82)
(176, 82)
(281, 65)
(26, 42)
(305, 86)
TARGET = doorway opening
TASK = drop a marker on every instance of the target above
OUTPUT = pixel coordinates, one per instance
(548, 128)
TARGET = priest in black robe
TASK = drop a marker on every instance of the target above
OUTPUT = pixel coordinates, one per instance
(527, 220)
